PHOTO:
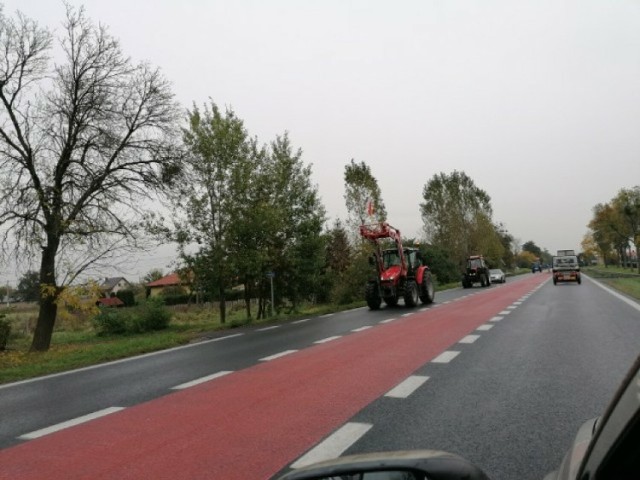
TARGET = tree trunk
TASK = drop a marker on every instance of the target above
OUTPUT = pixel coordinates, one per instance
(223, 305)
(48, 297)
(247, 297)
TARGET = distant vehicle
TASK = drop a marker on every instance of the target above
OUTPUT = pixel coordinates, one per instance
(497, 276)
(536, 267)
(566, 269)
(477, 271)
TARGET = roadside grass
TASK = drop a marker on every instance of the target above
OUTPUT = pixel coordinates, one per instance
(630, 286)
(624, 280)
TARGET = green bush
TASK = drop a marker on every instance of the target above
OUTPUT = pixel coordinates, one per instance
(175, 299)
(150, 316)
(5, 331)
(127, 297)
(153, 315)
(111, 322)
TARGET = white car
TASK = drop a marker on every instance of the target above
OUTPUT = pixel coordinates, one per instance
(497, 276)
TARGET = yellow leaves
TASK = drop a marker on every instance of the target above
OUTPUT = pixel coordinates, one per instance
(75, 302)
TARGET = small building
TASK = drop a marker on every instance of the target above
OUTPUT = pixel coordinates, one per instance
(109, 302)
(172, 280)
(110, 286)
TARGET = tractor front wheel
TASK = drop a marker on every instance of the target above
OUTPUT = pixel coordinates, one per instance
(428, 293)
(372, 295)
(410, 293)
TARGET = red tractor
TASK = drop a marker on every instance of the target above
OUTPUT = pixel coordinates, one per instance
(400, 272)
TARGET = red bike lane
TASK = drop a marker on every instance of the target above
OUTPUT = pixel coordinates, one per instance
(252, 423)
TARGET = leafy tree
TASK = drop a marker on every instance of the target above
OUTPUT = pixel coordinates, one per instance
(456, 214)
(29, 286)
(627, 203)
(351, 284)
(524, 259)
(485, 239)
(507, 241)
(609, 230)
(590, 249)
(216, 172)
(362, 196)
(297, 247)
(441, 265)
(339, 251)
(530, 246)
(83, 144)
(152, 276)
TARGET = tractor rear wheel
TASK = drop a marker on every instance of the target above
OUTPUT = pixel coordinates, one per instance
(410, 293)
(427, 291)
(372, 295)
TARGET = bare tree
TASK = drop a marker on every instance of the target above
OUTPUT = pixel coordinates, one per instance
(84, 144)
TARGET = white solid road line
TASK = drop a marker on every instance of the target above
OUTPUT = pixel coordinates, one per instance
(334, 445)
(446, 356)
(70, 423)
(277, 355)
(198, 381)
(267, 328)
(407, 387)
(626, 300)
(328, 339)
(469, 339)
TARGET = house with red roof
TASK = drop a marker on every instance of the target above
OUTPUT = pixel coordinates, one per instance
(157, 287)
(109, 302)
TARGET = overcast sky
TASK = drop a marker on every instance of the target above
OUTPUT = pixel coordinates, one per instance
(537, 101)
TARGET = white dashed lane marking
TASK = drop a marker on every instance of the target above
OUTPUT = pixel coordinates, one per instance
(505, 312)
(328, 339)
(496, 319)
(334, 445)
(388, 320)
(277, 355)
(469, 339)
(407, 387)
(70, 423)
(361, 329)
(198, 381)
(446, 356)
(485, 327)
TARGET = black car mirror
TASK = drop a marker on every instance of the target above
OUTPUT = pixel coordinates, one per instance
(403, 465)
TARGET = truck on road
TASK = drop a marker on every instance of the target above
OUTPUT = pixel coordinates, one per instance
(565, 267)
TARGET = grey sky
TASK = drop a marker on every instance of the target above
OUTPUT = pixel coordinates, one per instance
(538, 101)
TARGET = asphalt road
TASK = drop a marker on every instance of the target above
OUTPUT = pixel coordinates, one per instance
(509, 396)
